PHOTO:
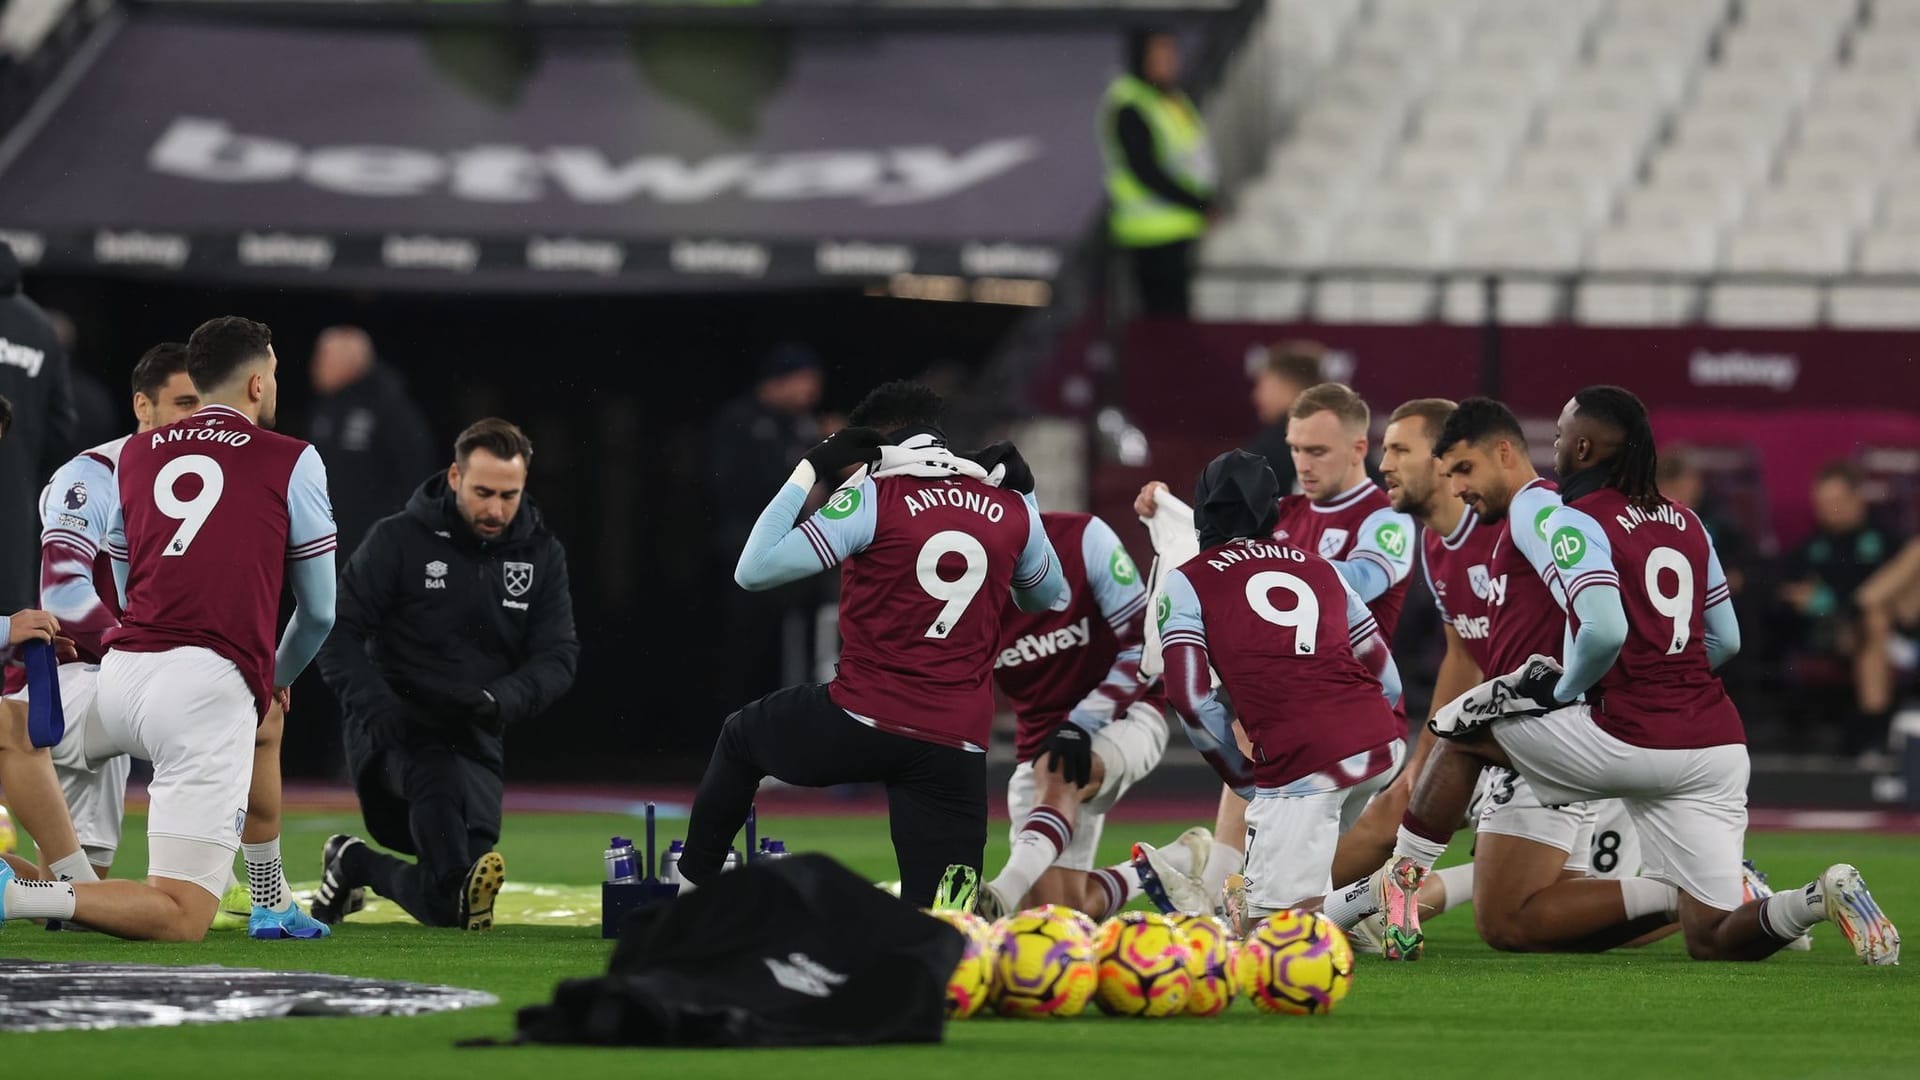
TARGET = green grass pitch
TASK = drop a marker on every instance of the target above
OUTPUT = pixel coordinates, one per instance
(1463, 1011)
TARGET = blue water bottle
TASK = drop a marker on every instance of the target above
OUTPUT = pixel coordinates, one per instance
(774, 849)
(622, 866)
(670, 863)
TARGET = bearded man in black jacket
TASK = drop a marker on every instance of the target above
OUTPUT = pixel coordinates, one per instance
(454, 621)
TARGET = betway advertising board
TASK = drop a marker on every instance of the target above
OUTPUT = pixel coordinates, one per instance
(560, 157)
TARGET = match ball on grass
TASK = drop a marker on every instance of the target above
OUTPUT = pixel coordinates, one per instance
(9, 836)
(1209, 964)
(1042, 965)
(972, 977)
(1294, 962)
(1143, 966)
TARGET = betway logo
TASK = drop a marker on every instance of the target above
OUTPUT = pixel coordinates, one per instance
(1040, 646)
(205, 149)
(1472, 627)
(1778, 371)
(25, 357)
(1496, 592)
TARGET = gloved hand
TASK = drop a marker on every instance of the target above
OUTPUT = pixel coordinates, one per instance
(844, 448)
(1017, 477)
(1069, 752)
(1525, 691)
(454, 703)
(1535, 684)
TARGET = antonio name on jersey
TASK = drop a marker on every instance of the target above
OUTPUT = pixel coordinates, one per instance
(1253, 549)
(1665, 514)
(967, 498)
(1041, 646)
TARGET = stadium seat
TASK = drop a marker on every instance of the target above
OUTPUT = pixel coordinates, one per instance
(1573, 165)
(1634, 303)
(1806, 207)
(1865, 306)
(1874, 136)
(1580, 201)
(1743, 88)
(1761, 129)
(1373, 300)
(1498, 243)
(1390, 239)
(1667, 248)
(1681, 204)
(1679, 165)
(1892, 54)
(1523, 301)
(1820, 251)
(1219, 299)
(1891, 252)
(1732, 303)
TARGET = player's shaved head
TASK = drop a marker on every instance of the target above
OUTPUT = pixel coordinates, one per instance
(894, 407)
(1483, 456)
(231, 362)
(1607, 427)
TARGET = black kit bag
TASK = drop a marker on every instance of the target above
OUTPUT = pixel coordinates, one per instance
(797, 951)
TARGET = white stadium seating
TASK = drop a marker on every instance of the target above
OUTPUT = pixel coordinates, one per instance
(1745, 162)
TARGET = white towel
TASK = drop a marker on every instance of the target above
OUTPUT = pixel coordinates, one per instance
(1499, 698)
(927, 457)
(1174, 542)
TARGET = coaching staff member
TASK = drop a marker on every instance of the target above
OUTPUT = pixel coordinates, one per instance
(454, 622)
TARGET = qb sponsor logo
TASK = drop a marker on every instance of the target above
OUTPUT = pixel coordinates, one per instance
(436, 575)
(1122, 567)
(1568, 547)
(842, 505)
(1540, 521)
(1163, 611)
(1392, 539)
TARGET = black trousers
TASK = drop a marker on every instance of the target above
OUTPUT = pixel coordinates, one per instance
(936, 795)
(450, 805)
(1163, 276)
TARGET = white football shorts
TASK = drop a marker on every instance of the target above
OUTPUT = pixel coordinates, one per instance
(1291, 839)
(190, 713)
(1129, 748)
(1509, 807)
(1689, 807)
(94, 782)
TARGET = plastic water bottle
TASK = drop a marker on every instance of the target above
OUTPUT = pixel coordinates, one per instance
(622, 866)
(774, 849)
(670, 864)
(733, 861)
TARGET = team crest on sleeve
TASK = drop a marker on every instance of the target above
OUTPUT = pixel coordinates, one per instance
(77, 495)
(1478, 578)
(1332, 543)
(519, 577)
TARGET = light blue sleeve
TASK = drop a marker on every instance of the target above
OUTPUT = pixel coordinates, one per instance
(76, 511)
(1527, 520)
(1385, 546)
(1361, 627)
(1037, 577)
(117, 551)
(1596, 644)
(311, 539)
(312, 580)
(1581, 553)
(1722, 622)
(310, 528)
(1192, 693)
(778, 552)
(1115, 580)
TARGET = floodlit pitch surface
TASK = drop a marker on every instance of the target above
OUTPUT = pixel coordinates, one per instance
(1463, 1011)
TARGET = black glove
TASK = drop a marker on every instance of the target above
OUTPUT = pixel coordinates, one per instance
(1536, 683)
(1069, 752)
(454, 703)
(1018, 478)
(846, 447)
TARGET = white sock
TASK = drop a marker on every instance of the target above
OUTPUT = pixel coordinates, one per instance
(266, 880)
(1458, 883)
(1348, 906)
(1411, 845)
(1119, 885)
(1789, 914)
(1645, 896)
(1222, 862)
(1042, 837)
(74, 867)
(39, 899)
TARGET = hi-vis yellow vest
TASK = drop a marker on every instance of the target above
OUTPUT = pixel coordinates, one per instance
(1138, 217)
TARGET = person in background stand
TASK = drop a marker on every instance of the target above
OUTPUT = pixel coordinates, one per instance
(33, 376)
(372, 436)
(1160, 172)
(756, 438)
(1288, 368)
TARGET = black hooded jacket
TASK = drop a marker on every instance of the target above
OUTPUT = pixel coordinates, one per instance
(33, 376)
(424, 601)
(372, 437)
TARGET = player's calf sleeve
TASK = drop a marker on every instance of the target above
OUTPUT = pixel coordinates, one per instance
(1645, 896)
(1348, 906)
(1420, 842)
(1784, 915)
(75, 867)
(1222, 863)
(1042, 837)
